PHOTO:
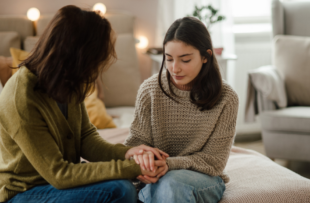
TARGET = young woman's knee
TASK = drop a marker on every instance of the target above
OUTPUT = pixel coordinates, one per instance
(193, 185)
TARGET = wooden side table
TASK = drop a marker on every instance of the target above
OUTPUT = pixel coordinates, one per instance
(222, 61)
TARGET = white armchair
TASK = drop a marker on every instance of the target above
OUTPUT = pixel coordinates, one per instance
(285, 129)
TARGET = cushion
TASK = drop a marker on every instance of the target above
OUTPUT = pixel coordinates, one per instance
(267, 80)
(292, 59)
(97, 112)
(292, 119)
(18, 56)
(296, 15)
(5, 70)
(20, 24)
(30, 42)
(255, 178)
(114, 136)
(122, 80)
(121, 22)
(122, 116)
(8, 40)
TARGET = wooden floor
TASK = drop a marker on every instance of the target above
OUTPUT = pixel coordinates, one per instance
(302, 168)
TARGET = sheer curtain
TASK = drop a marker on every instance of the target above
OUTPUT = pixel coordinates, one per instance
(221, 33)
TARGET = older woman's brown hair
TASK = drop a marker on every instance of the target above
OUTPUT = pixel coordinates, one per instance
(74, 49)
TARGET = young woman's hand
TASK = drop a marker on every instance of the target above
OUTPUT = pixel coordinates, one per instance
(164, 165)
(146, 160)
(162, 169)
(139, 150)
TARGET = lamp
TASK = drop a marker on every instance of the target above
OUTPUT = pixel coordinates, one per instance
(142, 42)
(33, 14)
(100, 7)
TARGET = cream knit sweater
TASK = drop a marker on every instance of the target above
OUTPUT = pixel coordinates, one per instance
(195, 140)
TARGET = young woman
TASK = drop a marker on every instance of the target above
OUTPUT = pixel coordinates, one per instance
(190, 113)
(44, 126)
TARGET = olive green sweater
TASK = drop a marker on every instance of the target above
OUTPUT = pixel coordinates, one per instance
(38, 145)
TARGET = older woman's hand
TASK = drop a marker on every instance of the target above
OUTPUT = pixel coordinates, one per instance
(145, 156)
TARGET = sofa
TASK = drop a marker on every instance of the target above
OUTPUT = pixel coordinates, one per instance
(254, 177)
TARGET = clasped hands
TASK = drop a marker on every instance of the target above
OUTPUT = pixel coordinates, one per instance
(151, 169)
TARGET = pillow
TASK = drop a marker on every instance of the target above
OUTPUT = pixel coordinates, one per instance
(5, 70)
(292, 60)
(18, 56)
(8, 40)
(122, 80)
(30, 42)
(97, 112)
(17, 23)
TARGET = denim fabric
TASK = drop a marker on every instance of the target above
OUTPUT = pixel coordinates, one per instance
(116, 191)
(180, 186)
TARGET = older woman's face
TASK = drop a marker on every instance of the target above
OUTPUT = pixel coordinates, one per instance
(183, 61)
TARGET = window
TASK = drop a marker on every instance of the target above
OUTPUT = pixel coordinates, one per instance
(251, 16)
(251, 8)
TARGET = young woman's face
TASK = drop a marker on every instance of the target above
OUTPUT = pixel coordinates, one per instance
(183, 62)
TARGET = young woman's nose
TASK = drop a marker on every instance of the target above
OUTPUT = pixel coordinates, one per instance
(175, 67)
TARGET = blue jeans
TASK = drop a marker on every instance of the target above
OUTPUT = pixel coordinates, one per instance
(116, 191)
(179, 186)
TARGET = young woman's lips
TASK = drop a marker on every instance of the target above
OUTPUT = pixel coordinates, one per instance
(178, 77)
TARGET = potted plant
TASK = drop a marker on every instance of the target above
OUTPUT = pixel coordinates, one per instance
(209, 15)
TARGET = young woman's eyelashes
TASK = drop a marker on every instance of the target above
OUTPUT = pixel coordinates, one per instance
(182, 60)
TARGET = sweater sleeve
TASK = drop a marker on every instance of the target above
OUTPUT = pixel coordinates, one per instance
(93, 147)
(40, 148)
(214, 155)
(140, 129)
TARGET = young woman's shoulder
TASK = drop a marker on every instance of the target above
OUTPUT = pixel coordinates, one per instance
(229, 94)
(150, 84)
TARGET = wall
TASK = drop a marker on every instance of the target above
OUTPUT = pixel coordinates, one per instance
(144, 10)
(253, 50)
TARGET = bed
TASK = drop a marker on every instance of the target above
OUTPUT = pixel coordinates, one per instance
(254, 178)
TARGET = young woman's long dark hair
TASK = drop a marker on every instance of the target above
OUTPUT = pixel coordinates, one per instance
(207, 88)
(74, 48)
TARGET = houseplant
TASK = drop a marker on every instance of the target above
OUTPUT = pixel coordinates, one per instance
(208, 15)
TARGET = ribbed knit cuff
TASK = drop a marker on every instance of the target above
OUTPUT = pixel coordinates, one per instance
(175, 163)
(133, 170)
